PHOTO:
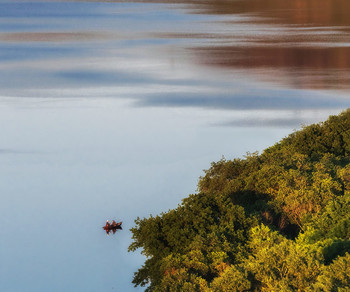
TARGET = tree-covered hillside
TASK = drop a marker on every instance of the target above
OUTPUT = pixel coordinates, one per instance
(279, 221)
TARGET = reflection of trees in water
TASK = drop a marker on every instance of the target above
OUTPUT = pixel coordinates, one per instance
(302, 43)
(311, 12)
(304, 67)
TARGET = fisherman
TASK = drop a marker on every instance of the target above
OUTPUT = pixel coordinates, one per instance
(112, 227)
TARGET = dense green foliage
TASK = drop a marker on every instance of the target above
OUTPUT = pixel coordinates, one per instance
(279, 221)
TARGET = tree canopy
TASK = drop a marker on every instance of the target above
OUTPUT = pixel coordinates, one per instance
(278, 221)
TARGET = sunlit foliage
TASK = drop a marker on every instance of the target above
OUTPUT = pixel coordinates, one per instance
(278, 221)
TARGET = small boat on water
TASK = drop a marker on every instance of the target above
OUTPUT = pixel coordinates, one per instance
(114, 226)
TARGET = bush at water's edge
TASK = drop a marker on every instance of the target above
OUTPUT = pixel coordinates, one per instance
(279, 221)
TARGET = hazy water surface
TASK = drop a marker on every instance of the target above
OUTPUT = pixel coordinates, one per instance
(110, 110)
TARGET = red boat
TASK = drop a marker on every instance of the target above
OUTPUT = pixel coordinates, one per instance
(114, 226)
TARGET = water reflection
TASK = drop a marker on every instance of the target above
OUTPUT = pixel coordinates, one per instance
(50, 36)
(299, 44)
(297, 67)
(297, 12)
(266, 54)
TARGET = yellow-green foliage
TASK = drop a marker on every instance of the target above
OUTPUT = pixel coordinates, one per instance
(279, 221)
(336, 276)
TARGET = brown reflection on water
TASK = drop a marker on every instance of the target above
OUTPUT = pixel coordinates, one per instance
(312, 12)
(300, 67)
(51, 36)
(323, 12)
(301, 43)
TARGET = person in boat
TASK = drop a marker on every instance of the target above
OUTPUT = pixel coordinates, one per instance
(112, 227)
(108, 225)
(116, 225)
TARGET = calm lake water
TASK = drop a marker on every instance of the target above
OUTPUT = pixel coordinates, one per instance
(111, 110)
